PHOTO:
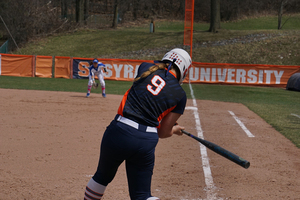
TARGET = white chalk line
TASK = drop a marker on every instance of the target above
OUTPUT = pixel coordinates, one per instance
(249, 134)
(210, 188)
(295, 115)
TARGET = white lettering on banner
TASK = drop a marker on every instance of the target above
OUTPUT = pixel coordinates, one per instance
(213, 77)
(108, 70)
(261, 76)
(221, 76)
(278, 76)
(128, 71)
(230, 75)
(268, 76)
(118, 70)
(252, 76)
(193, 74)
(240, 76)
(205, 74)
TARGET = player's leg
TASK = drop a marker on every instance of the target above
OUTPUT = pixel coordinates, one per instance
(90, 84)
(94, 190)
(139, 169)
(110, 159)
(102, 82)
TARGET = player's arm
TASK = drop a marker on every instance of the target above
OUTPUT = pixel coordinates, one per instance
(92, 74)
(167, 128)
(168, 125)
(104, 67)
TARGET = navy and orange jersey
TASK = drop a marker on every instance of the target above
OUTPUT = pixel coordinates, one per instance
(151, 98)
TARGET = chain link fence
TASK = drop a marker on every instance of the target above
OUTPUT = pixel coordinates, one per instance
(4, 47)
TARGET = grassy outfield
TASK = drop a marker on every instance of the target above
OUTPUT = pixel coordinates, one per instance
(274, 105)
(247, 41)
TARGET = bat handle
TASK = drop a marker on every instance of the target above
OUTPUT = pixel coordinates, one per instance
(187, 133)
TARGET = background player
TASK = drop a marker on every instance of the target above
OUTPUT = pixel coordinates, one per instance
(96, 69)
(148, 111)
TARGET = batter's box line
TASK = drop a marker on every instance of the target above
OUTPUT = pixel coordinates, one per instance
(249, 134)
(191, 108)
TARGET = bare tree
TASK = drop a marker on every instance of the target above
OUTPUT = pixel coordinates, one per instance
(280, 12)
(86, 10)
(135, 9)
(115, 21)
(215, 18)
(64, 9)
(79, 11)
(26, 19)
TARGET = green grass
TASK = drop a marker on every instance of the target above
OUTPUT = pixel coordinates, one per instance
(95, 43)
(60, 84)
(289, 22)
(274, 105)
(278, 47)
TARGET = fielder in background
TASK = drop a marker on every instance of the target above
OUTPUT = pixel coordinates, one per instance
(148, 111)
(96, 68)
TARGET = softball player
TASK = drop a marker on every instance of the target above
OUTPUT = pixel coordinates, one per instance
(96, 69)
(148, 111)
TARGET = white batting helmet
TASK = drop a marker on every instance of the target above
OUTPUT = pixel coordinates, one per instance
(183, 61)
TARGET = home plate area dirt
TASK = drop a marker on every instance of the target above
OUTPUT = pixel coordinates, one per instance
(50, 143)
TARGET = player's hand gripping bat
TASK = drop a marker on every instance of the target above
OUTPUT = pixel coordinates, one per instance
(219, 150)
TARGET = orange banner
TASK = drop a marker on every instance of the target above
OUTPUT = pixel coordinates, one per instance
(241, 74)
(117, 69)
(43, 66)
(125, 70)
(16, 65)
(121, 69)
(62, 67)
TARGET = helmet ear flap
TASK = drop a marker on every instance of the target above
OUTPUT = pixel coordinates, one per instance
(177, 71)
(183, 61)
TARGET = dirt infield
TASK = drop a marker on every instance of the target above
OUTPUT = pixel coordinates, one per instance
(50, 143)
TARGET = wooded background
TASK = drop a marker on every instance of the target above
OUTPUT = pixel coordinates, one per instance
(24, 19)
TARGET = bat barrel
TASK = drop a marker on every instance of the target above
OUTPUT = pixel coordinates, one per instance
(219, 150)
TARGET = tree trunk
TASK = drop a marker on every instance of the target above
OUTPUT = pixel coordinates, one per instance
(181, 7)
(79, 11)
(218, 15)
(115, 22)
(215, 16)
(280, 11)
(135, 9)
(64, 9)
(86, 10)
